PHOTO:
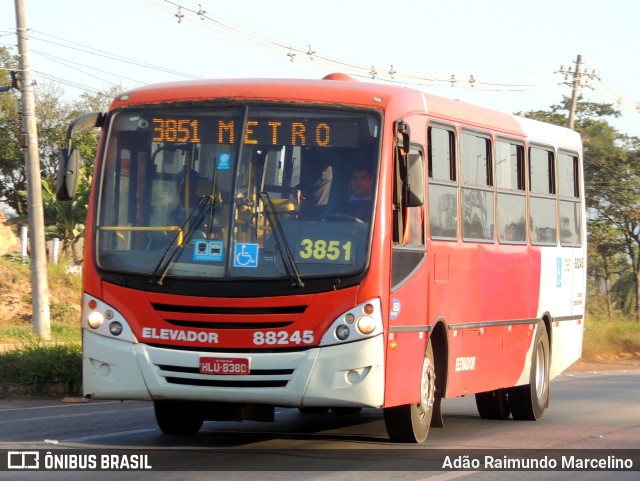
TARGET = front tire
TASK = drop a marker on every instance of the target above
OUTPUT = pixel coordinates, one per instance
(181, 418)
(528, 402)
(410, 423)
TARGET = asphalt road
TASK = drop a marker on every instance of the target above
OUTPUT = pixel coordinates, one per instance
(588, 411)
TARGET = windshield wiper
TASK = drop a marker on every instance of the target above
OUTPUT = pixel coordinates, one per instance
(281, 240)
(194, 219)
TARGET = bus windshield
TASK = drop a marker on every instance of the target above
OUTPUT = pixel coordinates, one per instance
(237, 192)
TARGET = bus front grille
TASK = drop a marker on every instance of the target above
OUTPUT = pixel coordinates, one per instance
(221, 317)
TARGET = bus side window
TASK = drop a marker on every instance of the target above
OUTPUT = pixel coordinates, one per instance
(413, 218)
(542, 199)
(510, 180)
(477, 187)
(569, 204)
(443, 190)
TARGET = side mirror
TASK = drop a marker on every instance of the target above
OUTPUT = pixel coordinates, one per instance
(414, 182)
(67, 176)
(69, 160)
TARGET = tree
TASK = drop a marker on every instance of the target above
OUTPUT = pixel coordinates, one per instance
(67, 219)
(12, 174)
(607, 261)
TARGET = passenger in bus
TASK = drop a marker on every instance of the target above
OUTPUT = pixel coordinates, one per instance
(360, 202)
(312, 193)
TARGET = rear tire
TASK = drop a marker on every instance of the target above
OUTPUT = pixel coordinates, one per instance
(410, 423)
(180, 418)
(528, 402)
(493, 404)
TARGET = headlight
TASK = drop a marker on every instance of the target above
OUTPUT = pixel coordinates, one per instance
(366, 324)
(115, 328)
(342, 332)
(95, 319)
(363, 321)
(100, 318)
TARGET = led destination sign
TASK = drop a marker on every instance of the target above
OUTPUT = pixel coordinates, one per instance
(305, 132)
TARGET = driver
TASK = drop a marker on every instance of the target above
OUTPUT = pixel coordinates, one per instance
(360, 200)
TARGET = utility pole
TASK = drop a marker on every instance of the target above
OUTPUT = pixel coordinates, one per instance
(575, 88)
(575, 84)
(40, 291)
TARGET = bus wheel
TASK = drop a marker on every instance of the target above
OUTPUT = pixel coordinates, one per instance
(410, 423)
(179, 417)
(529, 401)
(493, 404)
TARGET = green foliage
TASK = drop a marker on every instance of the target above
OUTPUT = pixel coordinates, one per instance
(66, 217)
(53, 115)
(12, 176)
(623, 291)
(65, 295)
(609, 336)
(42, 369)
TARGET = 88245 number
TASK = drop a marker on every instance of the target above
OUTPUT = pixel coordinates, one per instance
(272, 338)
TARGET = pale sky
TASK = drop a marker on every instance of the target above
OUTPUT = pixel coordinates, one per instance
(511, 48)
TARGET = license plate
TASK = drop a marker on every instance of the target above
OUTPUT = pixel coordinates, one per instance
(236, 366)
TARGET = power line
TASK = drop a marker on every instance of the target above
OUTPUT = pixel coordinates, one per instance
(199, 19)
(66, 63)
(67, 82)
(111, 56)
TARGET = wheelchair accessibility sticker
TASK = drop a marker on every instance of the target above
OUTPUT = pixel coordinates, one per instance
(245, 255)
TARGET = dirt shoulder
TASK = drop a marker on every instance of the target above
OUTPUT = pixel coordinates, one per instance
(611, 365)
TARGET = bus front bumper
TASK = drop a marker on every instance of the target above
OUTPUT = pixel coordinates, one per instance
(344, 375)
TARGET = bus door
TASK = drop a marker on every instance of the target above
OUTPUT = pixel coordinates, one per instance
(408, 330)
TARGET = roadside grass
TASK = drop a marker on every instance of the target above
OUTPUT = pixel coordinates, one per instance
(36, 369)
(29, 366)
(15, 299)
(610, 339)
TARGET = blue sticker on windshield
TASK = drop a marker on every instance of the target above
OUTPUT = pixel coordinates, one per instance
(223, 161)
(245, 255)
(212, 251)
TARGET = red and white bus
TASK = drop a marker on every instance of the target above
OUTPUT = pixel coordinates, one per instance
(225, 274)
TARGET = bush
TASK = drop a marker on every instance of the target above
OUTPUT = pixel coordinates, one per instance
(41, 370)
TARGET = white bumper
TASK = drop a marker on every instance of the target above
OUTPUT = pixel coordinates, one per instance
(349, 374)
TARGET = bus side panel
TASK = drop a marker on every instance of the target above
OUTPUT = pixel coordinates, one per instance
(453, 296)
(492, 356)
(405, 350)
(504, 283)
(504, 293)
(562, 296)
